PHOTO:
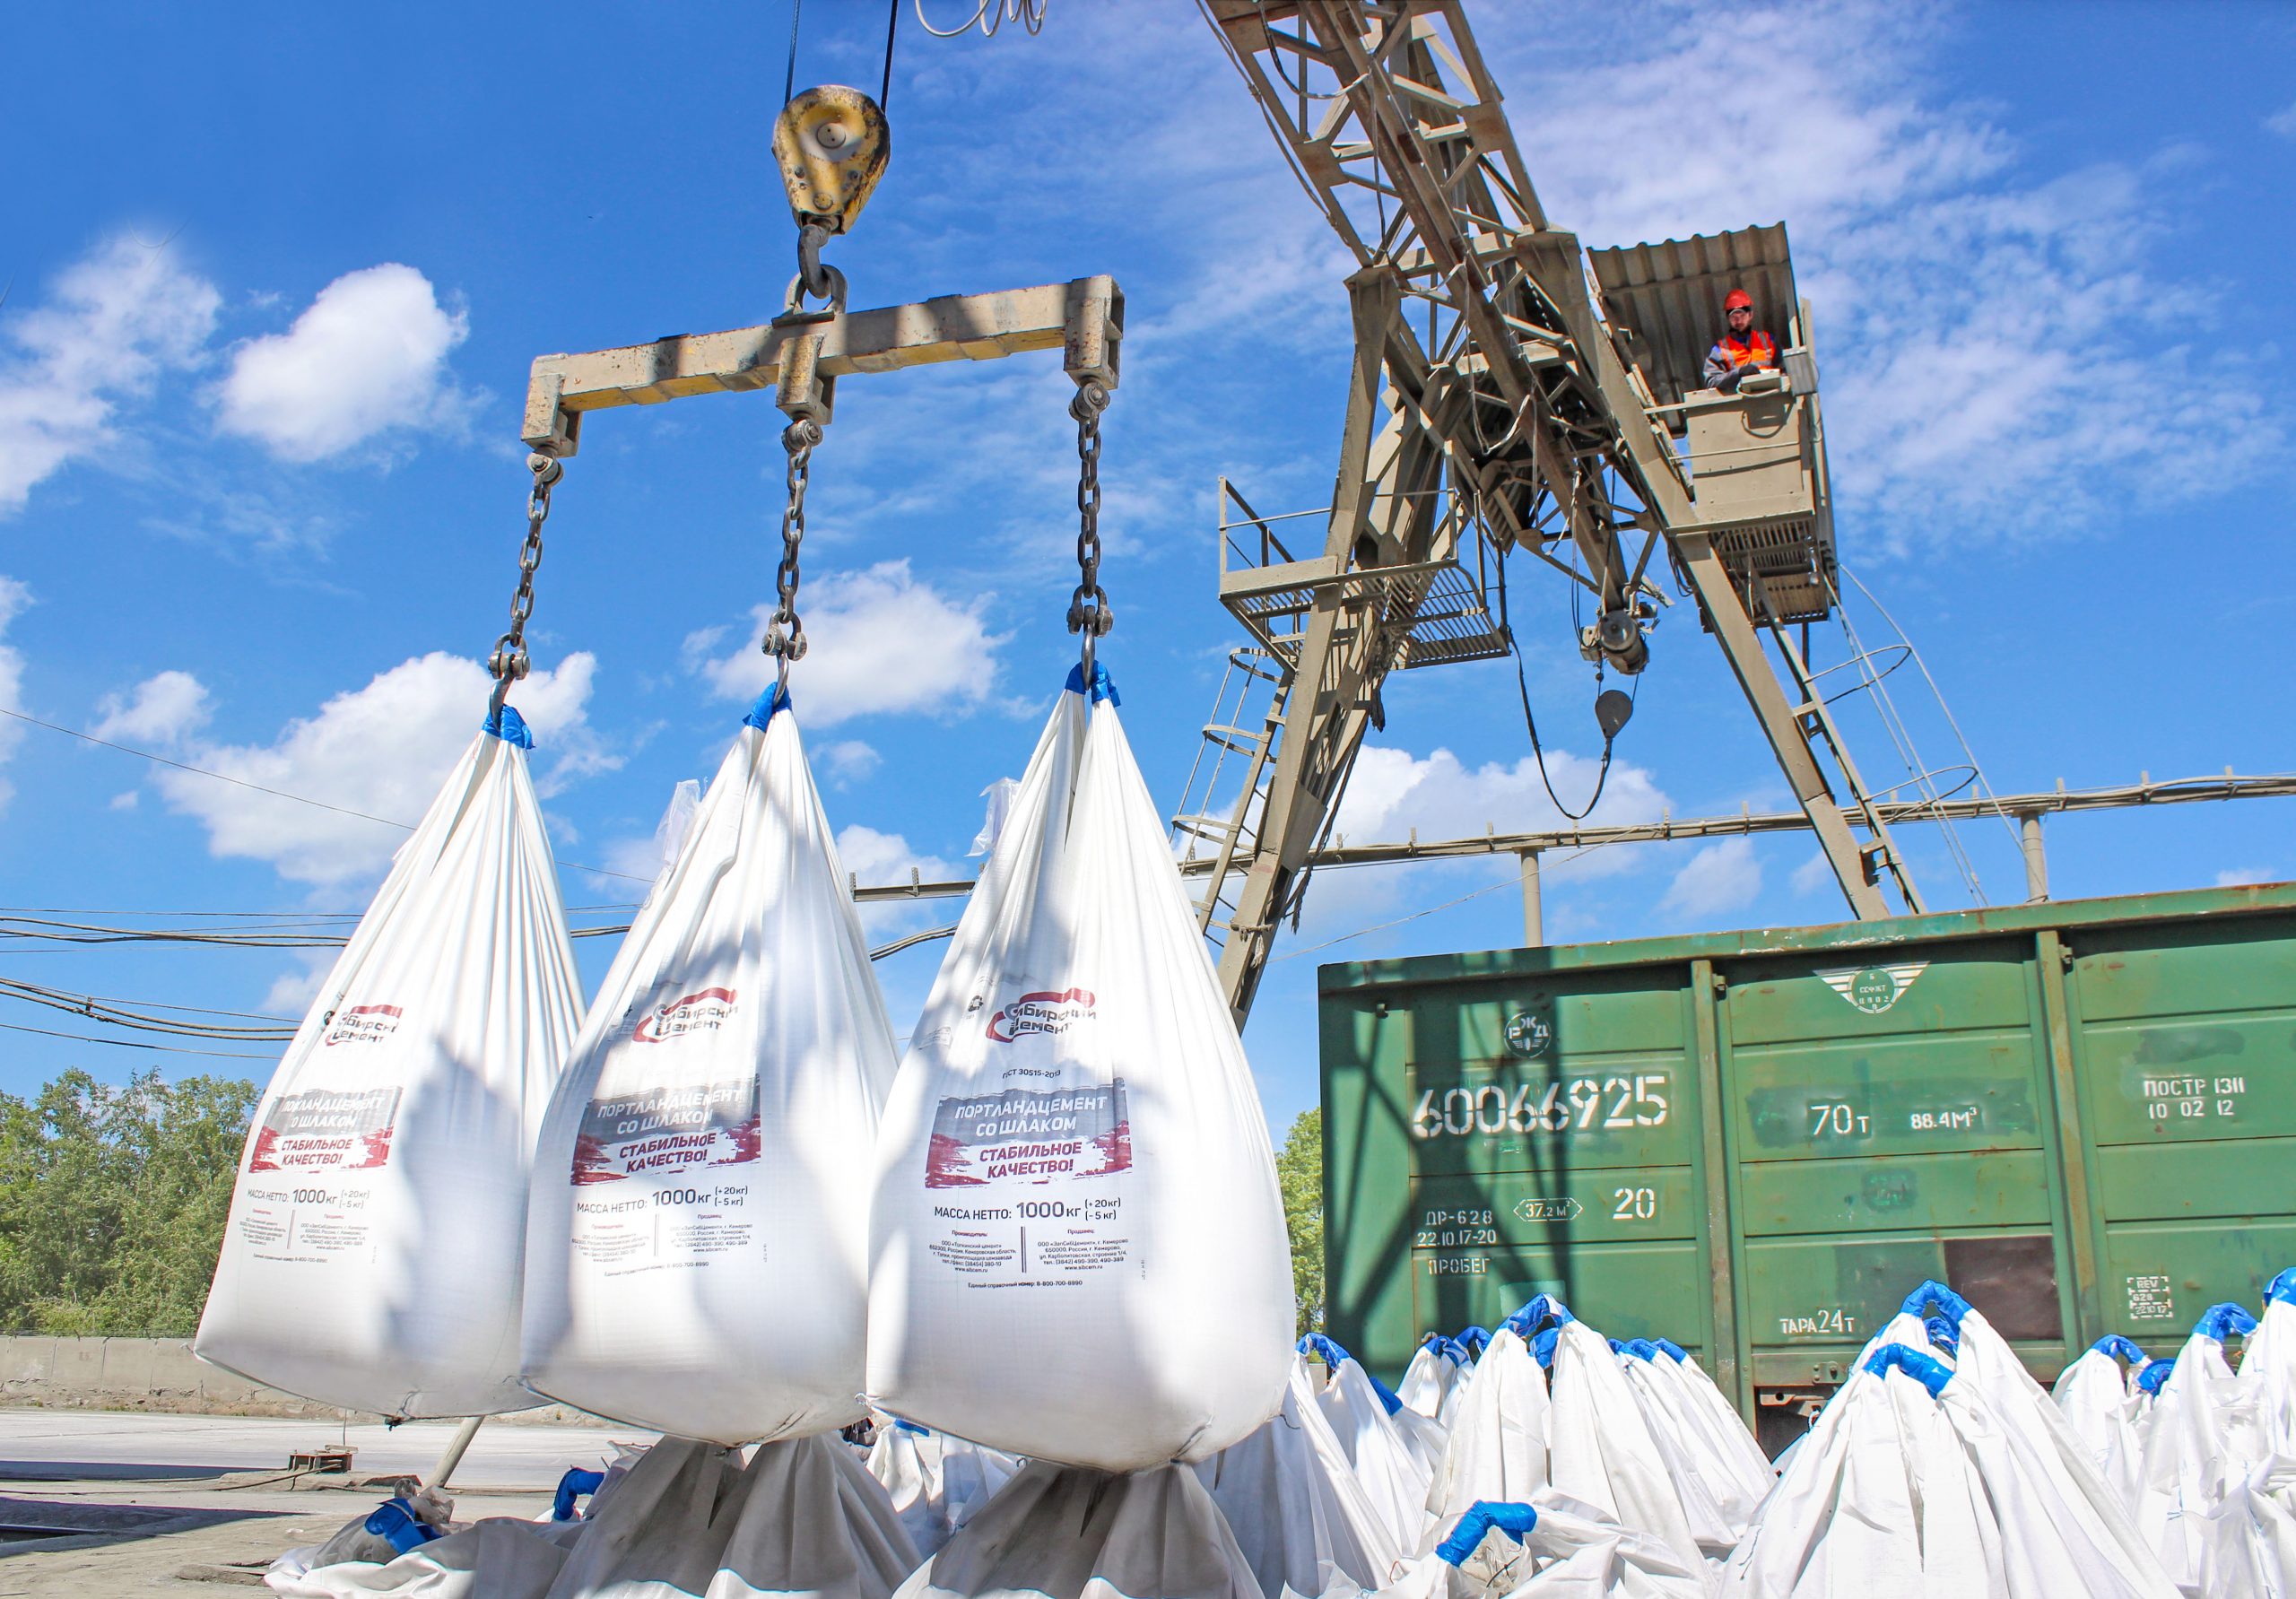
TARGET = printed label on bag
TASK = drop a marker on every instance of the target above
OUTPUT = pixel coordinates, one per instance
(361, 1024)
(704, 1011)
(1046, 1014)
(1034, 1136)
(325, 1130)
(662, 1131)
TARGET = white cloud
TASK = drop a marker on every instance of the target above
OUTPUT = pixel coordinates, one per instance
(2241, 877)
(293, 991)
(13, 598)
(878, 642)
(2006, 351)
(162, 708)
(850, 760)
(1394, 793)
(127, 800)
(382, 750)
(2283, 122)
(1720, 878)
(874, 859)
(367, 357)
(114, 321)
(1812, 875)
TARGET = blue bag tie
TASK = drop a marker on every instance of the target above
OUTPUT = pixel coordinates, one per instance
(1671, 1349)
(1641, 1349)
(770, 703)
(901, 1426)
(2222, 1321)
(1943, 1334)
(1934, 1293)
(1540, 1310)
(572, 1486)
(1931, 1374)
(510, 727)
(1324, 1349)
(2282, 1287)
(1483, 1517)
(1475, 1341)
(2121, 1348)
(1543, 1345)
(400, 1527)
(2150, 1378)
(1103, 687)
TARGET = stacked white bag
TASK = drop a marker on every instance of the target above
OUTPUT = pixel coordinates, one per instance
(1297, 1512)
(2216, 1502)
(372, 1259)
(696, 1257)
(1921, 1477)
(2099, 1399)
(1078, 1245)
(935, 1482)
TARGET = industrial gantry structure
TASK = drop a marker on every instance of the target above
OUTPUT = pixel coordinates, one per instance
(1511, 392)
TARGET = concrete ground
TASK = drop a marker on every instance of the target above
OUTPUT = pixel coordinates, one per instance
(186, 1505)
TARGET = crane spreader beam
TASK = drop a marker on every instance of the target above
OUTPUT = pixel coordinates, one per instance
(1083, 319)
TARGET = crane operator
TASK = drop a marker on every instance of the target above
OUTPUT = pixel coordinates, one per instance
(1744, 349)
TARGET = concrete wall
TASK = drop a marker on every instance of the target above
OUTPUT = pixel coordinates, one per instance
(158, 1374)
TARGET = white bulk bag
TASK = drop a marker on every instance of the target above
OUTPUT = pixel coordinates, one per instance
(372, 1257)
(696, 1242)
(2268, 1367)
(1717, 1509)
(691, 1521)
(1553, 1546)
(2098, 1401)
(1068, 1533)
(1599, 1446)
(1728, 1457)
(1079, 1250)
(1497, 1450)
(1379, 1452)
(935, 1482)
(1297, 1511)
(2216, 1505)
(1428, 1378)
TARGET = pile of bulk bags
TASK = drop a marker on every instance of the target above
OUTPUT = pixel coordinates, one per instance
(372, 1258)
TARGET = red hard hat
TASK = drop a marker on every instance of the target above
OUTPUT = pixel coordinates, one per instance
(1736, 298)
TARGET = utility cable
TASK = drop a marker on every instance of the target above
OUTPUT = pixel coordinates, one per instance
(1531, 722)
(789, 78)
(893, 25)
(135, 1044)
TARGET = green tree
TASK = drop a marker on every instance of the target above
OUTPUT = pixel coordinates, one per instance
(1299, 1170)
(113, 1201)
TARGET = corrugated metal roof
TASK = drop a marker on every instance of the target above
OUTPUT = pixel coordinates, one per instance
(1670, 295)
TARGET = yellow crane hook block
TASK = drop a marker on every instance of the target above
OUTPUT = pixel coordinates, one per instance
(832, 143)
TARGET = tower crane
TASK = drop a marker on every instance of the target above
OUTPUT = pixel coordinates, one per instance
(1511, 392)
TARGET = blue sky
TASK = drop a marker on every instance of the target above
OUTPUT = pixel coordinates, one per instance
(276, 276)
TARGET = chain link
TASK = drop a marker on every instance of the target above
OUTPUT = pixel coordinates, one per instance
(1088, 608)
(508, 663)
(785, 634)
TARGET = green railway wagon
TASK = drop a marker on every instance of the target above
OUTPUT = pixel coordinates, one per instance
(2081, 1115)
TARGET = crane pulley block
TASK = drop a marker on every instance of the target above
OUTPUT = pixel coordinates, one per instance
(832, 143)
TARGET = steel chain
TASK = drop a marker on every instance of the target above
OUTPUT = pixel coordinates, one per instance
(508, 663)
(1088, 608)
(785, 634)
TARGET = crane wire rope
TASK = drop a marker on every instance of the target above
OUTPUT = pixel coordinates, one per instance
(988, 16)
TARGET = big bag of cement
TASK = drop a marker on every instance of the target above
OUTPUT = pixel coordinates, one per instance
(1707, 1428)
(1079, 1250)
(1428, 1379)
(372, 1257)
(1060, 1532)
(1600, 1450)
(696, 1241)
(691, 1521)
(2268, 1367)
(1717, 1504)
(1369, 1422)
(1915, 1480)
(2098, 1398)
(2216, 1502)
(935, 1482)
(1550, 1547)
(1300, 1518)
(1497, 1451)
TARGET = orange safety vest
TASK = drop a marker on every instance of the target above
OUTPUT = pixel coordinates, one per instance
(1758, 351)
